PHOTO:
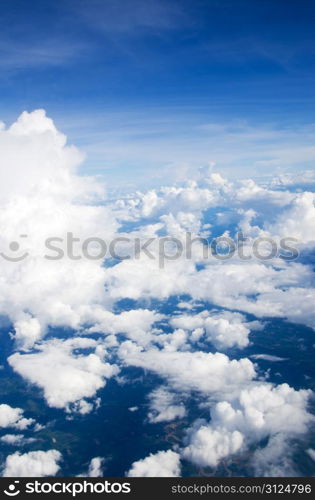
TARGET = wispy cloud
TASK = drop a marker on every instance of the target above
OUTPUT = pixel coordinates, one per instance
(42, 53)
(154, 143)
(130, 17)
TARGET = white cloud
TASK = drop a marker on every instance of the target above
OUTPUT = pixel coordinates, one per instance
(297, 220)
(161, 464)
(32, 464)
(164, 406)
(208, 446)
(13, 417)
(224, 329)
(275, 459)
(268, 357)
(306, 178)
(250, 191)
(34, 152)
(38, 171)
(65, 376)
(197, 371)
(16, 439)
(41, 195)
(27, 331)
(48, 186)
(258, 412)
(255, 287)
(135, 324)
(95, 467)
(84, 407)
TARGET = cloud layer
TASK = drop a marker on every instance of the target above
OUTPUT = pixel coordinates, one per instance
(77, 322)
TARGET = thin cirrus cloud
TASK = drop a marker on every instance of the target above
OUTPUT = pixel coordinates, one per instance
(71, 35)
(178, 141)
(136, 15)
(17, 56)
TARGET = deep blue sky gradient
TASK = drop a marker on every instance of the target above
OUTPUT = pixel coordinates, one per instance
(167, 84)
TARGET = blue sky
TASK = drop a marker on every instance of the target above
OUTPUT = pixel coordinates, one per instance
(153, 89)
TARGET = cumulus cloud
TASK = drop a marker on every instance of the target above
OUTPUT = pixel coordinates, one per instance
(95, 468)
(305, 179)
(253, 287)
(261, 288)
(34, 152)
(42, 196)
(48, 188)
(208, 446)
(32, 464)
(16, 439)
(161, 464)
(224, 329)
(275, 459)
(13, 417)
(257, 413)
(297, 220)
(38, 171)
(65, 376)
(134, 324)
(196, 371)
